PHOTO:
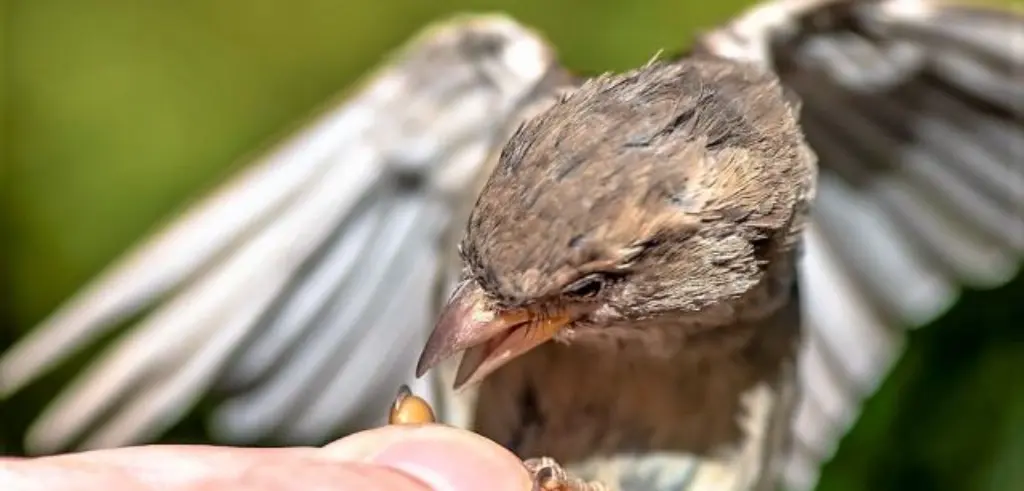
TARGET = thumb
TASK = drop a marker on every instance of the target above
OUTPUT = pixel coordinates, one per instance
(444, 457)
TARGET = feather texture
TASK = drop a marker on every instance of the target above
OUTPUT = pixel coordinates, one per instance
(279, 290)
(302, 291)
(914, 110)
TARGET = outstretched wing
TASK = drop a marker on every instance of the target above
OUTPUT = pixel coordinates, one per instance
(915, 111)
(302, 291)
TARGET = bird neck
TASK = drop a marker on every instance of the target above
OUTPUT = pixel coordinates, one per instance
(663, 387)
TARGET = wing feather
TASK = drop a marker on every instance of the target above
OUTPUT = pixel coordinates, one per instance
(286, 323)
(290, 282)
(412, 303)
(914, 109)
(344, 332)
(159, 264)
(247, 281)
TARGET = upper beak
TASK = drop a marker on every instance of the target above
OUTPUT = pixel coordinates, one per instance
(490, 338)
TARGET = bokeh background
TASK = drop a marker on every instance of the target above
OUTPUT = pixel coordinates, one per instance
(117, 112)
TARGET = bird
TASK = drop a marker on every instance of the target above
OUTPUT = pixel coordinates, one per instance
(910, 108)
(655, 245)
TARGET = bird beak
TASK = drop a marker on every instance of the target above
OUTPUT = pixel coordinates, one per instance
(489, 338)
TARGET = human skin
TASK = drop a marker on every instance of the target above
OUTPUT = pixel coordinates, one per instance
(393, 458)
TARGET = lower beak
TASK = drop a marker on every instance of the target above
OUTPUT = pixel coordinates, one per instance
(489, 338)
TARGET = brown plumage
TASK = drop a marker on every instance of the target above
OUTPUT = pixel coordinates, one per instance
(648, 223)
(658, 211)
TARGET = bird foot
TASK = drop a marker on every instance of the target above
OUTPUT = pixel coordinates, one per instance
(549, 476)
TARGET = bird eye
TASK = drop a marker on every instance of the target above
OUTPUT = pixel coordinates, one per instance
(585, 287)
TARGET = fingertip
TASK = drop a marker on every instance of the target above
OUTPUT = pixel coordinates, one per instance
(445, 457)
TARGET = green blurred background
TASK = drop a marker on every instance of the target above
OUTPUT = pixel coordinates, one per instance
(117, 112)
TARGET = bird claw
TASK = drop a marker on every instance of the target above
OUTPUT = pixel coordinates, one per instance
(547, 475)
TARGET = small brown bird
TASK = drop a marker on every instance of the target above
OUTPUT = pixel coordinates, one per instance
(629, 300)
(647, 223)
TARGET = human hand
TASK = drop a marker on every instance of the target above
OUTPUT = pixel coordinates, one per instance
(392, 458)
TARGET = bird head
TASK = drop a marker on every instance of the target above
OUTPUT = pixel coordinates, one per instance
(647, 196)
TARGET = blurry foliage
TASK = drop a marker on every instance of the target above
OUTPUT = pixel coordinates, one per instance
(117, 112)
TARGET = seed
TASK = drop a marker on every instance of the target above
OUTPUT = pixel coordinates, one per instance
(410, 409)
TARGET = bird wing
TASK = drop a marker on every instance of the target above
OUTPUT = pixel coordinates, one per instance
(302, 290)
(915, 110)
